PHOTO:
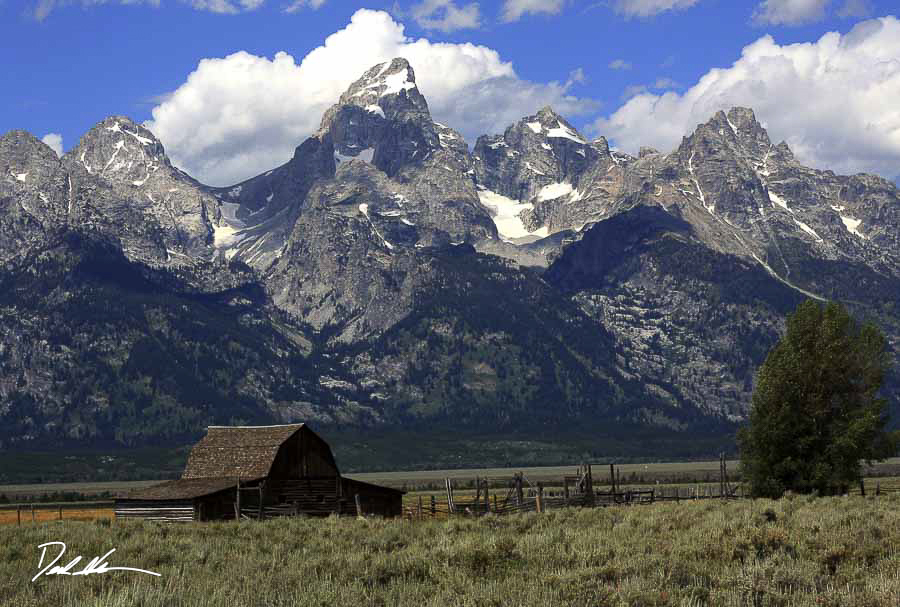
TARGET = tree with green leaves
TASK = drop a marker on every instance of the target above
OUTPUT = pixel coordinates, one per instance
(816, 411)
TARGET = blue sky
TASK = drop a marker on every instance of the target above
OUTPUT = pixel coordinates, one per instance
(637, 71)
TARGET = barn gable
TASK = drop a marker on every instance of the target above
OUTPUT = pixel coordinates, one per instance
(251, 452)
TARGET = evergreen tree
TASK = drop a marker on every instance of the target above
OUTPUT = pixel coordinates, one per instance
(816, 411)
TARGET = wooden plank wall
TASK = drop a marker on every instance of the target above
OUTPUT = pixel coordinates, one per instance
(169, 511)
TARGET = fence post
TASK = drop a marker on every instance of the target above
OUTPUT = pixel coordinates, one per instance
(862, 487)
(520, 498)
(451, 507)
(540, 498)
(877, 487)
(237, 501)
(359, 511)
(260, 515)
(32, 513)
(487, 497)
(612, 478)
(18, 515)
(59, 518)
(590, 485)
(433, 508)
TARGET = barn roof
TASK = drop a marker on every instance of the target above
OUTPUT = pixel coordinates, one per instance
(237, 451)
(183, 488)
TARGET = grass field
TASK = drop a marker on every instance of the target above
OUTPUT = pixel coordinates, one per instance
(669, 473)
(43, 515)
(799, 551)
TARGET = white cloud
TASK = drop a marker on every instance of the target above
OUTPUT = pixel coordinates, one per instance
(445, 15)
(619, 64)
(297, 5)
(240, 115)
(790, 12)
(648, 8)
(665, 83)
(855, 8)
(833, 100)
(44, 7)
(225, 6)
(513, 10)
(55, 141)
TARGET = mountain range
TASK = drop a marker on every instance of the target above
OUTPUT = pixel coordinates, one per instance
(386, 277)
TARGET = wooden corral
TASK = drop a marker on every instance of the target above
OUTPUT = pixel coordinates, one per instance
(259, 472)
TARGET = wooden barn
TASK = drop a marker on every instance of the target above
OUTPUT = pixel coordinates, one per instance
(260, 472)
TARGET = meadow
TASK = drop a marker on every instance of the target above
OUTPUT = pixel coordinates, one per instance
(669, 473)
(798, 551)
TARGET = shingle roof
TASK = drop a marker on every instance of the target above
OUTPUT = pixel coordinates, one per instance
(184, 488)
(237, 451)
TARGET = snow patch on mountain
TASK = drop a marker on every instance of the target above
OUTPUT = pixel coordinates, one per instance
(564, 132)
(807, 229)
(554, 190)
(505, 213)
(364, 155)
(397, 82)
(778, 200)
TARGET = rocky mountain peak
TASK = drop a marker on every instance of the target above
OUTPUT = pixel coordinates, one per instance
(382, 119)
(550, 125)
(24, 159)
(737, 129)
(388, 89)
(22, 145)
(119, 150)
(601, 145)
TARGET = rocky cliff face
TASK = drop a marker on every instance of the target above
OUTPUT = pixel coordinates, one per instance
(386, 276)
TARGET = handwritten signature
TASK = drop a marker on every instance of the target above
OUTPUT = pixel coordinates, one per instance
(97, 564)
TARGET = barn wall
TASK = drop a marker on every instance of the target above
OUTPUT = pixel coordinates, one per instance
(374, 499)
(155, 510)
(218, 506)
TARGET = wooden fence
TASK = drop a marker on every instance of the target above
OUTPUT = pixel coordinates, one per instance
(518, 494)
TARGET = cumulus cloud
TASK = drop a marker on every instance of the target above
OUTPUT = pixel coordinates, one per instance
(513, 10)
(55, 141)
(649, 8)
(619, 64)
(240, 115)
(833, 100)
(790, 12)
(661, 84)
(445, 15)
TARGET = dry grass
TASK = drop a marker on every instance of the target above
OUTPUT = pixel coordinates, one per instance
(44, 515)
(799, 551)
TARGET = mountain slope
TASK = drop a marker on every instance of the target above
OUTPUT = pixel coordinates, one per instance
(385, 278)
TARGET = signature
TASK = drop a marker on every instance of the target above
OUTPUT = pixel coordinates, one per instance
(97, 564)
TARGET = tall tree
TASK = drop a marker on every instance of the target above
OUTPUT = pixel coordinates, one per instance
(816, 411)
